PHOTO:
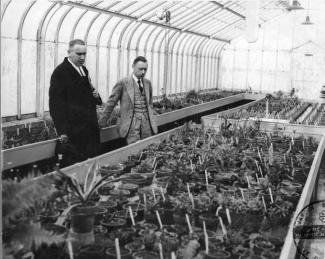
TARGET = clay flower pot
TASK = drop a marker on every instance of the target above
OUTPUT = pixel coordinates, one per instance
(111, 170)
(132, 188)
(135, 246)
(114, 223)
(93, 251)
(125, 235)
(149, 177)
(83, 218)
(211, 221)
(124, 214)
(291, 186)
(111, 253)
(169, 242)
(103, 191)
(128, 165)
(217, 254)
(135, 178)
(137, 208)
(145, 255)
(120, 193)
(109, 205)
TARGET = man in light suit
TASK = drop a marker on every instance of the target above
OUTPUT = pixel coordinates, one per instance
(134, 92)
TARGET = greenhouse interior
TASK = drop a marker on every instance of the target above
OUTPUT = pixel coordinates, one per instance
(163, 129)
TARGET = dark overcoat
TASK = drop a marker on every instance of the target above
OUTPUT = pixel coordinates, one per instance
(73, 108)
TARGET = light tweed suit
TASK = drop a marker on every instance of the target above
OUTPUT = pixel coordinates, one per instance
(124, 91)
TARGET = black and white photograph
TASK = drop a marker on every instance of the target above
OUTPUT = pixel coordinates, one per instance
(162, 129)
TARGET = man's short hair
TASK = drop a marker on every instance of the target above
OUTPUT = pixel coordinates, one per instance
(138, 59)
(76, 42)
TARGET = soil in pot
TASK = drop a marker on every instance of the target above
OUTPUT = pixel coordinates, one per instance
(103, 191)
(109, 170)
(135, 178)
(263, 246)
(93, 251)
(120, 193)
(114, 223)
(211, 221)
(151, 217)
(109, 205)
(125, 235)
(128, 165)
(293, 197)
(135, 246)
(238, 251)
(132, 188)
(145, 255)
(217, 254)
(137, 208)
(120, 201)
(149, 177)
(111, 253)
(179, 216)
(124, 214)
(169, 242)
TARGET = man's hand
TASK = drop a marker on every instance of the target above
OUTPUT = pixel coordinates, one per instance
(95, 93)
(63, 138)
(102, 122)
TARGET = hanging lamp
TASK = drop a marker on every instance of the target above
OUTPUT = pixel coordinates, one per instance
(307, 20)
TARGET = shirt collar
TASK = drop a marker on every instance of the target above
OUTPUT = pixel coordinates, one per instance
(135, 78)
(76, 67)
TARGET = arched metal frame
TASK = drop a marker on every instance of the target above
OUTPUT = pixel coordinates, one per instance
(19, 57)
(40, 60)
(193, 53)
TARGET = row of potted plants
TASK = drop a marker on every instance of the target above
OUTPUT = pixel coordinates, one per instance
(282, 108)
(191, 98)
(23, 134)
(242, 183)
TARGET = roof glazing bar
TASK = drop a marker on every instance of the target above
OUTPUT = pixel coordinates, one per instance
(132, 18)
(229, 10)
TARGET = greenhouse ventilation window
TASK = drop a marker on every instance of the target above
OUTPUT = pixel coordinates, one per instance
(294, 6)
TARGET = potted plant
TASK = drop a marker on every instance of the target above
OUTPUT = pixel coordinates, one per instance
(82, 212)
(144, 254)
(111, 170)
(136, 245)
(132, 188)
(93, 251)
(112, 223)
(111, 253)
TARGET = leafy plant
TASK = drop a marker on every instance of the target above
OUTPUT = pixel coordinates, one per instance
(83, 192)
(20, 229)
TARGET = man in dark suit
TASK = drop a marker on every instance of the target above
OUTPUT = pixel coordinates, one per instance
(135, 96)
(73, 100)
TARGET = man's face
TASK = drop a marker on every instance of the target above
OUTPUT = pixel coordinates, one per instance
(77, 54)
(140, 69)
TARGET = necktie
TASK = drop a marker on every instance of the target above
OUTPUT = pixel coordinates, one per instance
(140, 86)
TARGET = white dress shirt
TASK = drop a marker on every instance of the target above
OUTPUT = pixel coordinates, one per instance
(136, 80)
(79, 69)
